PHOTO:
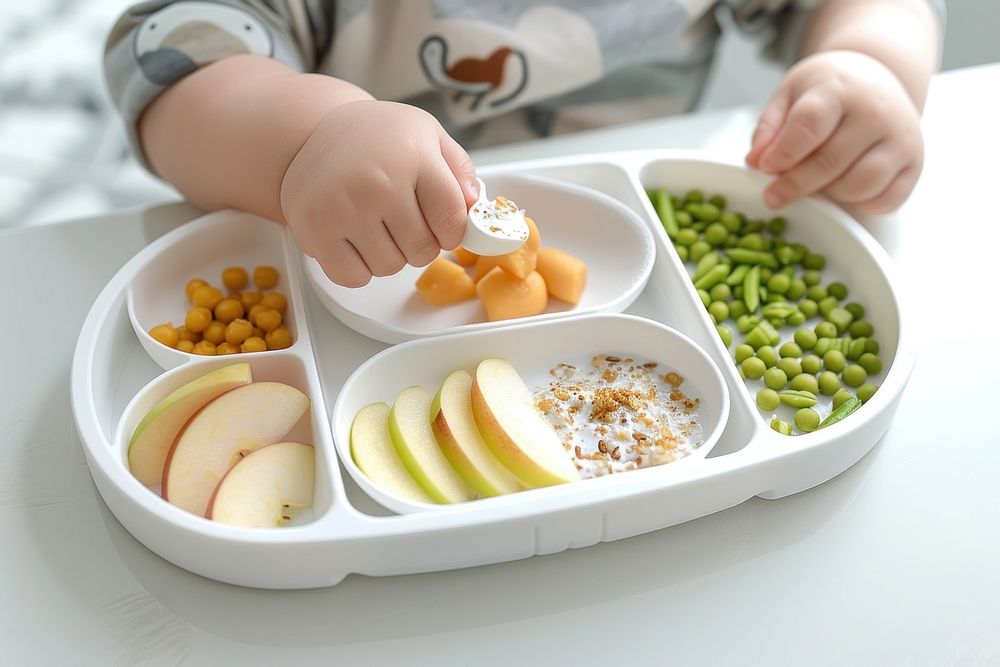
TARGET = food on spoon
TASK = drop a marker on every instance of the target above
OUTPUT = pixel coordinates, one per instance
(373, 452)
(444, 282)
(264, 488)
(506, 297)
(227, 429)
(156, 432)
(565, 275)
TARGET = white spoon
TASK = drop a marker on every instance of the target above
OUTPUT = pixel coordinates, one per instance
(495, 227)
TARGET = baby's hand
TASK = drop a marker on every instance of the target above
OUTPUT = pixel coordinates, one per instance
(376, 186)
(840, 123)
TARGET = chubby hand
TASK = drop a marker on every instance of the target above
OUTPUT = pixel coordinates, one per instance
(840, 123)
(377, 185)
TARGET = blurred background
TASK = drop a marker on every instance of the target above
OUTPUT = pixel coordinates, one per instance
(62, 150)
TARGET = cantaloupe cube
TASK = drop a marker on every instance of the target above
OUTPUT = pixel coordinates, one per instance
(534, 241)
(484, 265)
(444, 282)
(565, 275)
(505, 297)
(464, 257)
(519, 263)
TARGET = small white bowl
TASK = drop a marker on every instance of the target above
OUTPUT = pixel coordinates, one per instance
(610, 237)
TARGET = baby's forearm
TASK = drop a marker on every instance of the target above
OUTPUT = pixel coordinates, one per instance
(225, 135)
(902, 34)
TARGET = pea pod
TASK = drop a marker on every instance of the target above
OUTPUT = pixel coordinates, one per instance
(780, 309)
(736, 277)
(846, 408)
(798, 399)
(705, 264)
(747, 256)
(665, 209)
(716, 275)
(751, 289)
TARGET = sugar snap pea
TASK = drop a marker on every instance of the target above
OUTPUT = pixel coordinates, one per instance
(747, 256)
(715, 275)
(708, 262)
(751, 287)
(665, 209)
(846, 408)
(737, 275)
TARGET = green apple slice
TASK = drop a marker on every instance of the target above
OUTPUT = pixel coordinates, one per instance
(372, 451)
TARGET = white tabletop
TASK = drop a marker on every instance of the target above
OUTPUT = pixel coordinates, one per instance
(896, 561)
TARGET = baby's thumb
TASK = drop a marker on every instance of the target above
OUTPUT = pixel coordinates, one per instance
(461, 166)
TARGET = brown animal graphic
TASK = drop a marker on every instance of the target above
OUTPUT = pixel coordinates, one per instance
(477, 77)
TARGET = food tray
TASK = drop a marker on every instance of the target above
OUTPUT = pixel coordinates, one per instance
(114, 381)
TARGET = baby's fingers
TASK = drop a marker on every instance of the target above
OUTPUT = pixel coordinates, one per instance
(870, 175)
(810, 121)
(377, 249)
(442, 202)
(411, 234)
(342, 263)
(894, 195)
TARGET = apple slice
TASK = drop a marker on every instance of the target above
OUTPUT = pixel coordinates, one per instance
(261, 490)
(413, 438)
(223, 432)
(514, 429)
(153, 437)
(372, 450)
(455, 429)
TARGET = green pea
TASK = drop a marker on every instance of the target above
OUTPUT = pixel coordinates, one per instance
(827, 305)
(856, 349)
(834, 361)
(683, 218)
(795, 319)
(695, 196)
(767, 399)
(720, 292)
(791, 367)
(716, 234)
(825, 330)
(841, 397)
(753, 368)
(706, 298)
(737, 275)
(796, 289)
(817, 293)
(738, 293)
(737, 308)
(777, 225)
(686, 237)
(732, 240)
(838, 290)
(719, 310)
(715, 276)
(805, 382)
(841, 318)
(829, 383)
(718, 201)
(776, 322)
(861, 329)
(797, 399)
(805, 339)
(814, 262)
(699, 248)
(823, 345)
(800, 251)
(871, 363)
(731, 221)
(743, 352)
(866, 391)
(708, 213)
(725, 334)
(854, 376)
(790, 349)
(751, 242)
(779, 283)
(784, 428)
(765, 275)
(785, 254)
(811, 278)
(699, 225)
(788, 272)
(811, 364)
(871, 345)
(682, 252)
(808, 307)
(857, 310)
(757, 338)
(775, 378)
(753, 226)
(746, 323)
(768, 355)
(806, 420)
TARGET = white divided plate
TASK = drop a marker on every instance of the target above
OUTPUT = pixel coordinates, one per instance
(614, 242)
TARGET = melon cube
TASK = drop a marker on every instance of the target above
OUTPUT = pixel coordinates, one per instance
(565, 275)
(444, 282)
(506, 297)
(464, 257)
(519, 263)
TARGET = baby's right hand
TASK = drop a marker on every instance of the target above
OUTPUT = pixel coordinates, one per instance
(377, 185)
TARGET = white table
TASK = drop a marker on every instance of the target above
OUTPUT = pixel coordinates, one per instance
(895, 561)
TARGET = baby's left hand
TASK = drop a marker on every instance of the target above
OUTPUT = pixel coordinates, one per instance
(840, 123)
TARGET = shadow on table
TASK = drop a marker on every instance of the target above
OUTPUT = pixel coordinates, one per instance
(363, 609)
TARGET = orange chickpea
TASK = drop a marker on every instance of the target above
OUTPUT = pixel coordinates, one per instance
(215, 332)
(253, 344)
(184, 334)
(250, 298)
(278, 338)
(268, 319)
(191, 286)
(274, 300)
(184, 345)
(204, 348)
(197, 319)
(165, 334)
(234, 278)
(265, 277)
(227, 348)
(229, 310)
(238, 331)
(206, 296)
(254, 312)
(258, 332)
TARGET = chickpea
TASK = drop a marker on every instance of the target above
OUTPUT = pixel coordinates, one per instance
(254, 312)
(206, 296)
(265, 277)
(228, 310)
(184, 345)
(278, 338)
(227, 348)
(198, 318)
(184, 334)
(250, 298)
(165, 334)
(191, 286)
(268, 319)
(234, 278)
(253, 344)
(204, 348)
(258, 332)
(274, 300)
(238, 331)
(215, 332)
